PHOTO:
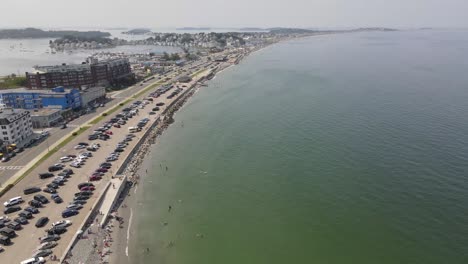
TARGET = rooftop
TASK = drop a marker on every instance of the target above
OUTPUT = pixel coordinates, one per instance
(10, 114)
(41, 91)
(61, 68)
(44, 111)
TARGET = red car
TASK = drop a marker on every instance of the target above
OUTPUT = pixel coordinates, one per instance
(109, 132)
(117, 125)
(71, 156)
(87, 188)
(94, 178)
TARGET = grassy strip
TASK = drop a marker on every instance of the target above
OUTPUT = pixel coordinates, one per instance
(198, 72)
(147, 89)
(112, 110)
(12, 81)
(51, 152)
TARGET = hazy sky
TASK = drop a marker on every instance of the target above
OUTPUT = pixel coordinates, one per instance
(234, 13)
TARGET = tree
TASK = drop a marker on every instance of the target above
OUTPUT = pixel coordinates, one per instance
(175, 56)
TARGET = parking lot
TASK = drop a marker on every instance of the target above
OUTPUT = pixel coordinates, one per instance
(27, 240)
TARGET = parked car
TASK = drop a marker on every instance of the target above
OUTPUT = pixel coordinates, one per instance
(21, 220)
(42, 253)
(49, 190)
(62, 223)
(41, 198)
(75, 206)
(14, 225)
(11, 209)
(53, 185)
(87, 188)
(56, 230)
(69, 212)
(32, 210)
(8, 232)
(5, 240)
(42, 221)
(81, 185)
(94, 178)
(13, 201)
(45, 175)
(84, 193)
(26, 214)
(48, 245)
(57, 199)
(79, 147)
(75, 165)
(65, 159)
(119, 150)
(49, 238)
(35, 203)
(31, 190)
(68, 171)
(54, 168)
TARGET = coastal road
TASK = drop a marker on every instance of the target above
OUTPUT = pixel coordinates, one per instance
(27, 240)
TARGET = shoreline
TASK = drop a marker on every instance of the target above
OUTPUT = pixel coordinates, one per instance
(117, 237)
(113, 240)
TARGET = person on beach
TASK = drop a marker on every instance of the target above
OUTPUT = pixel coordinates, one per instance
(169, 209)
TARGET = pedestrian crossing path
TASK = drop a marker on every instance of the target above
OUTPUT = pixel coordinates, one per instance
(11, 167)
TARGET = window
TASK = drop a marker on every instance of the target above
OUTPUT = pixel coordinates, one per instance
(5, 138)
(3, 127)
(4, 133)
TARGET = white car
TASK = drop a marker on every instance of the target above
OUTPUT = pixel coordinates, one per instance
(74, 165)
(13, 201)
(96, 146)
(80, 146)
(65, 159)
(79, 162)
(4, 218)
(38, 260)
(62, 222)
(82, 156)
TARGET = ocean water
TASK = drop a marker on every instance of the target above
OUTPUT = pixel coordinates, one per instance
(348, 148)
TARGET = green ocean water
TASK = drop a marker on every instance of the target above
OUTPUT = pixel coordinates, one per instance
(335, 149)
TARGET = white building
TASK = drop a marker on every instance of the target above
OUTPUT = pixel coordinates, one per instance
(46, 117)
(15, 125)
(91, 94)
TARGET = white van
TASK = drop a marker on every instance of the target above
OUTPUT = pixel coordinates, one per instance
(33, 260)
(133, 129)
(13, 201)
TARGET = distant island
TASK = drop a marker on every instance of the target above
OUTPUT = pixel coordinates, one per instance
(39, 33)
(137, 31)
(194, 28)
(251, 29)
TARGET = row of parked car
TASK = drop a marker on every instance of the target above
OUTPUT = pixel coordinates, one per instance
(86, 189)
(9, 227)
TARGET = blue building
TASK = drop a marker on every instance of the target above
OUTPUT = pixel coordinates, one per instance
(58, 97)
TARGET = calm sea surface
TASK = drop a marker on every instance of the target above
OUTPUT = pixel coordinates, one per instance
(334, 149)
